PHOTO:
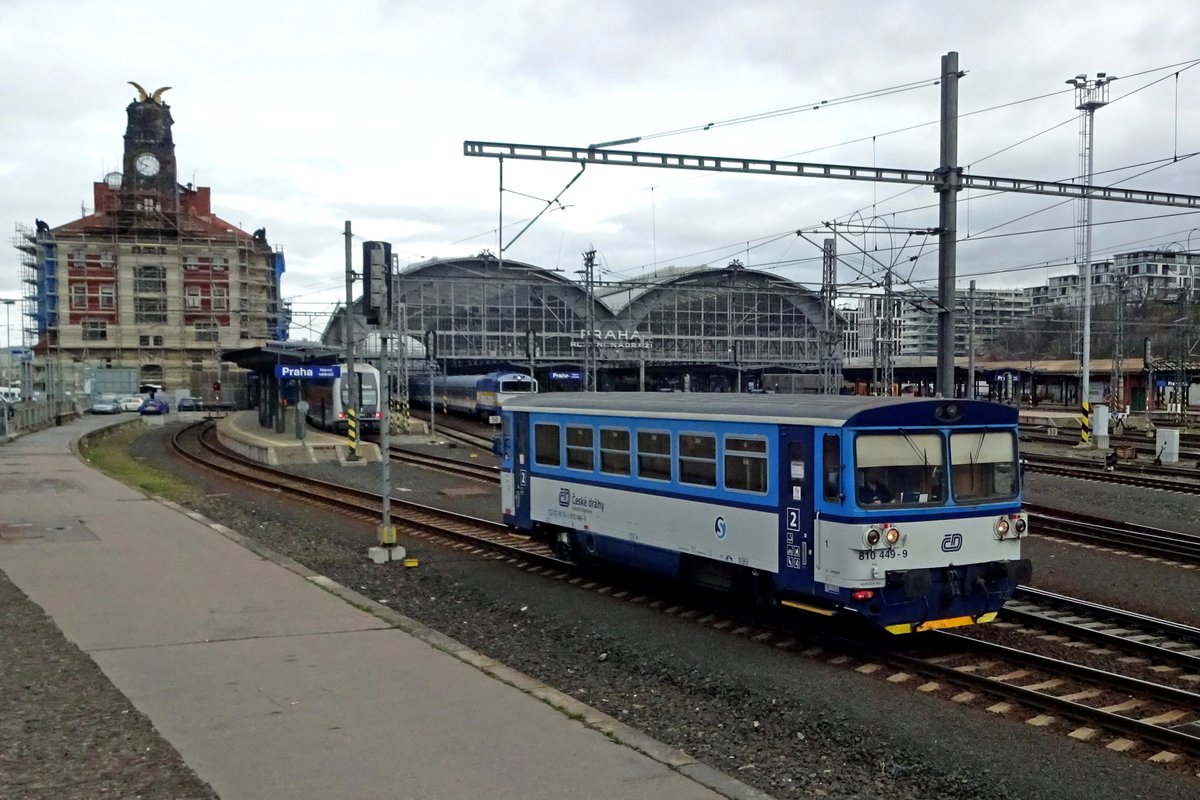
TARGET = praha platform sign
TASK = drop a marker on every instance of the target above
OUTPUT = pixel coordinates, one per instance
(301, 372)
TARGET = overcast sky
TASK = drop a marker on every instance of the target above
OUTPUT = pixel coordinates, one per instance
(301, 115)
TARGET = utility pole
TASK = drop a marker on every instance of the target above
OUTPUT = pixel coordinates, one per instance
(971, 344)
(1090, 94)
(350, 378)
(889, 333)
(831, 372)
(589, 368)
(951, 176)
(1117, 374)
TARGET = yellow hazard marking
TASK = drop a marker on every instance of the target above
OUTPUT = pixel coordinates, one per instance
(825, 612)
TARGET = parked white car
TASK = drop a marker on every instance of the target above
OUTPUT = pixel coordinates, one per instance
(131, 403)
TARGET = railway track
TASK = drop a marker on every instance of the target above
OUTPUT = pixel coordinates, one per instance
(1123, 711)
(411, 518)
(1046, 521)
(1167, 479)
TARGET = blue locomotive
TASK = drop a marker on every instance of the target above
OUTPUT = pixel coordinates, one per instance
(904, 511)
(473, 395)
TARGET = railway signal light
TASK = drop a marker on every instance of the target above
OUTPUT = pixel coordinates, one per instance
(216, 386)
(377, 283)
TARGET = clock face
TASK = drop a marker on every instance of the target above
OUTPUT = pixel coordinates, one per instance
(146, 164)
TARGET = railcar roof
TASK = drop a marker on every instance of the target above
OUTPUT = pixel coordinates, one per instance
(834, 410)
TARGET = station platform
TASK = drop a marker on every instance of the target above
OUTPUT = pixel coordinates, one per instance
(272, 681)
(1066, 420)
(241, 432)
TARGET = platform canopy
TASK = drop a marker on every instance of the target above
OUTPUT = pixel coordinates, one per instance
(262, 359)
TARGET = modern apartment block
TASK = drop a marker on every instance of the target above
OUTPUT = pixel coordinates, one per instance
(150, 279)
(914, 321)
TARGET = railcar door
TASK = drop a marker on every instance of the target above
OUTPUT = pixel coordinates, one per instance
(798, 477)
(516, 443)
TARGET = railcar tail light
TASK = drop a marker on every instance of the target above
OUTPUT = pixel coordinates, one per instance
(341, 415)
(1002, 527)
(1020, 526)
(863, 594)
(893, 535)
(872, 537)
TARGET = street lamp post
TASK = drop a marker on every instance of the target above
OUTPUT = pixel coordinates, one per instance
(1090, 94)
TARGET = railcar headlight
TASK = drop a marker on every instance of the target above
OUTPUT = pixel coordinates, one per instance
(1020, 526)
(1001, 527)
(872, 537)
(893, 535)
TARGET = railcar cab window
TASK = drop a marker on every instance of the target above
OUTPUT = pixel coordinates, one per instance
(547, 450)
(614, 451)
(580, 454)
(368, 394)
(983, 466)
(899, 468)
(746, 464)
(516, 387)
(698, 459)
(654, 455)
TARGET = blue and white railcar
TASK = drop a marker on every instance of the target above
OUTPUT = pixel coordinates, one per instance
(328, 399)
(472, 395)
(767, 493)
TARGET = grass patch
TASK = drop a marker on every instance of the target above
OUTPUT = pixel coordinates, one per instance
(108, 451)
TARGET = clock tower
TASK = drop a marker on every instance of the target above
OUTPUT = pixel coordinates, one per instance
(149, 187)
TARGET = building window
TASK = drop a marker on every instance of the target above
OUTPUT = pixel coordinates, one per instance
(143, 341)
(220, 264)
(192, 298)
(220, 298)
(78, 295)
(108, 296)
(191, 262)
(206, 331)
(150, 280)
(95, 330)
(75, 259)
(149, 310)
(106, 259)
(158, 341)
(197, 365)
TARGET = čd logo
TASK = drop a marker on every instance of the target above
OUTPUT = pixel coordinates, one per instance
(952, 542)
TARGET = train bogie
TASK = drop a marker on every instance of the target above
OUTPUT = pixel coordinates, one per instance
(783, 495)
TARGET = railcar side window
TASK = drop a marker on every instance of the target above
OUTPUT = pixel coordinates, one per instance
(698, 459)
(579, 448)
(546, 449)
(614, 451)
(831, 460)
(654, 455)
(983, 466)
(746, 464)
